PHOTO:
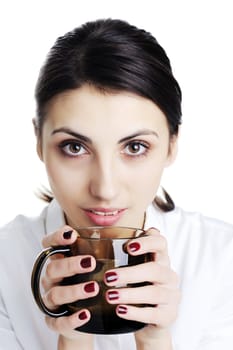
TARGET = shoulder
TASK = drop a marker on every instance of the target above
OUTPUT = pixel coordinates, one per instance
(23, 230)
(195, 222)
(187, 222)
(192, 235)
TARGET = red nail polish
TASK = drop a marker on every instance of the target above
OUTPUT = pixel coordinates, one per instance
(89, 287)
(85, 262)
(122, 310)
(82, 315)
(110, 277)
(134, 246)
(67, 234)
(113, 295)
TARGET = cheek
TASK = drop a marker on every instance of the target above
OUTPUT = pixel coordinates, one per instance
(64, 182)
(146, 181)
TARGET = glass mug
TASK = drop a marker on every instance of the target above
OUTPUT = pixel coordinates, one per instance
(107, 245)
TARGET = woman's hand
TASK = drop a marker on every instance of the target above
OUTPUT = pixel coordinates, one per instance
(162, 294)
(56, 295)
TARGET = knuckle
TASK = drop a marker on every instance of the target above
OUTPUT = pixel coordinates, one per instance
(153, 231)
(51, 297)
(49, 322)
(153, 316)
(175, 278)
(173, 315)
(44, 282)
(74, 293)
(55, 324)
(59, 324)
(44, 242)
(163, 243)
(71, 265)
(50, 270)
(158, 293)
(174, 297)
(126, 295)
(55, 238)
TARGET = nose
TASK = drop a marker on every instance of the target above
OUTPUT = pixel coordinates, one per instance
(104, 183)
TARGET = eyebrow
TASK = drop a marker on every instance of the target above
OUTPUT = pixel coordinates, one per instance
(139, 133)
(88, 140)
(72, 133)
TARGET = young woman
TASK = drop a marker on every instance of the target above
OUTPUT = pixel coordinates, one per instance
(108, 116)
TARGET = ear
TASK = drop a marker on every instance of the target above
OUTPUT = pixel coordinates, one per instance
(173, 150)
(38, 139)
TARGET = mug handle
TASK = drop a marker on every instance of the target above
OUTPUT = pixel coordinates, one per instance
(35, 279)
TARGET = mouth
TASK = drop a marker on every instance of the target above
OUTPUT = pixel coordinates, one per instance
(103, 216)
(104, 213)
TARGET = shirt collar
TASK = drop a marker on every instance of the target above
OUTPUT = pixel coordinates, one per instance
(154, 218)
(55, 217)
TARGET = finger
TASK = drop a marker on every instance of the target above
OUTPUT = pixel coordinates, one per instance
(56, 270)
(64, 236)
(60, 268)
(65, 324)
(60, 295)
(161, 316)
(154, 295)
(47, 283)
(147, 272)
(154, 243)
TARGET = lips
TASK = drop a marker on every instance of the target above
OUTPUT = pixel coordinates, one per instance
(103, 216)
(104, 213)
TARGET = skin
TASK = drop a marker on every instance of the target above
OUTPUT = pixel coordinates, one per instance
(124, 143)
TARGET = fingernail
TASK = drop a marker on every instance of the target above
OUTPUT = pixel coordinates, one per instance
(112, 295)
(89, 287)
(134, 246)
(67, 234)
(122, 310)
(110, 277)
(85, 262)
(82, 315)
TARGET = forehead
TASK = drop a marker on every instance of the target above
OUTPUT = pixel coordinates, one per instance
(89, 109)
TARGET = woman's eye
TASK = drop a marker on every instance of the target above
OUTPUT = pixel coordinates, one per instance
(73, 149)
(136, 148)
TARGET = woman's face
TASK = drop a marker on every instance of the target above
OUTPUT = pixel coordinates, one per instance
(104, 154)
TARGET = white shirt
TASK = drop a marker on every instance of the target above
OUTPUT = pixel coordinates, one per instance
(201, 252)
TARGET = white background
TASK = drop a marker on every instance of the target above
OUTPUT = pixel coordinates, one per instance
(198, 38)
